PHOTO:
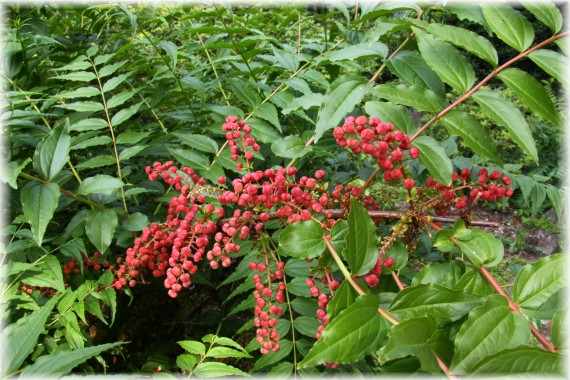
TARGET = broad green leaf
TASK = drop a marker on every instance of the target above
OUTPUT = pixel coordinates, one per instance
(446, 274)
(341, 97)
(131, 152)
(171, 49)
(95, 141)
(509, 25)
(52, 152)
(489, 329)
(547, 13)
(89, 125)
(559, 332)
(361, 250)
(465, 39)
(345, 296)
(306, 306)
(82, 92)
(476, 138)
(120, 98)
(537, 282)
(11, 172)
(63, 362)
(190, 158)
(112, 83)
(281, 370)
(434, 158)
(110, 69)
(226, 352)
(410, 337)
(471, 12)
(86, 106)
(78, 76)
(354, 52)
(100, 227)
(124, 114)
(96, 162)
(78, 64)
(537, 197)
(410, 67)
(523, 360)
(395, 114)
(285, 59)
(307, 325)
(39, 202)
(193, 347)
(356, 332)
(302, 240)
(21, 337)
(450, 65)
(245, 94)
(553, 63)
(415, 97)
(444, 304)
(305, 102)
(49, 275)
(268, 112)
(100, 184)
(186, 362)
(473, 282)
(131, 137)
(102, 59)
(504, 113)
(399, 253)
(483, 249)
(555, 196)
(262, 131)
(136, 222)
(291, 146)
(531, 92)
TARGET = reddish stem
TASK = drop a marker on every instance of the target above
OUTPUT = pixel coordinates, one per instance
(398, 282)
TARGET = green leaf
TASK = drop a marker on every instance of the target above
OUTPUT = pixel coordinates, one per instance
(504, 113)
(418, 98)
(131, 152)
(450, 65)
(95, 141)
(87, 106)
(307, 325)
(171, 49)
(338, 234)
(410, 67)
(555, 196)
(442, 241)
(114, 82)
(100, 227)
(302, 240)
(489, 329)
(465, 39)
(226, 352)
(199, 142)
(78, 64)
(96, 162)
(78, 76)
(395, 114)
(547, 13)
(186, 362)
(39, 202)
(89, 125)
(274, 357)
(110, 69)
(102, 59)
(291, 146)
(281, 370)
(537, 282)
(559, 332)
(340, 99)
(553, 63)
(306, 306)
(245, 94)
(523, 360)
(120, 98)
(410, 337)
(193, 347)
(509, 25)
(434, 158)
(345, 296)
(446, 274)
(483, 249)
(354, 333)
(63, 362)
(131, 137)
(49, 275)
(354, 52)
(399, 253)
(268, 112)
(124, 114)
(262, 131)
(444, 304)
(21, 336)
(190, 158)
(100, 184)
(52, 152)
(531, 92)
(136, 222)
(361, 251)
(473, 282)
(475, 137)
(82, 92)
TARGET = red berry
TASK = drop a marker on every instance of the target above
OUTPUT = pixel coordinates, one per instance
(409, 183)
(388, 262)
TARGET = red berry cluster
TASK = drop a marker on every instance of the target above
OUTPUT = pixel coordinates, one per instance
(488, 187)
(372, 278)
(380, 141)
(268, 290)
(238, 134)
(44, 291)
